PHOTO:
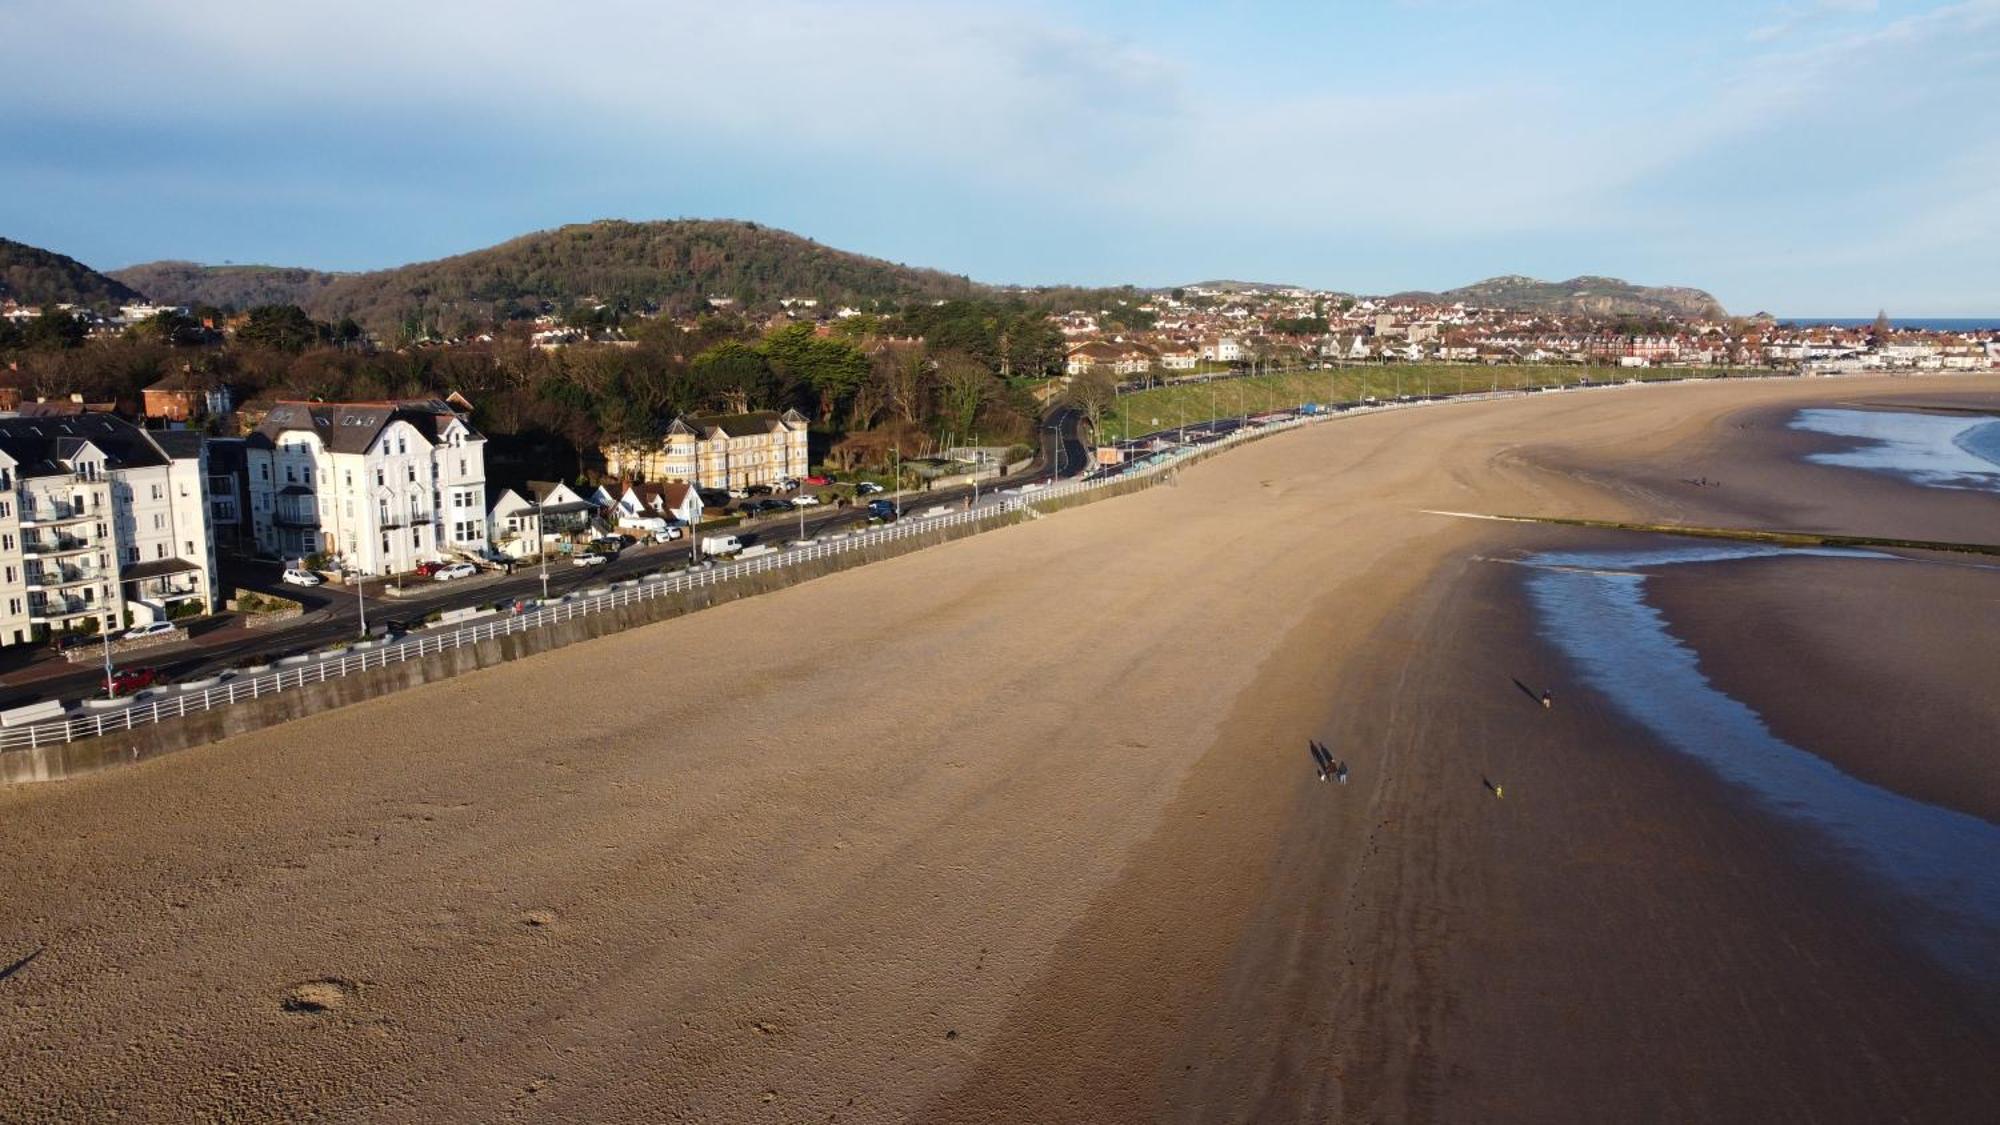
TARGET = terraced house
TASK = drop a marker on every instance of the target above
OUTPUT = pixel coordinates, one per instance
(100, 521)
(379, 486)
(719, 451)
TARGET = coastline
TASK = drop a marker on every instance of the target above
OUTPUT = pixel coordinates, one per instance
(1004, 803)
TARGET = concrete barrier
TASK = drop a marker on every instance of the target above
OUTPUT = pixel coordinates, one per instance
(33, 713)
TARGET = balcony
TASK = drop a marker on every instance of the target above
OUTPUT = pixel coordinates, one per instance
(49, 513)
(54, 545)
(49, 610)
(54, 577)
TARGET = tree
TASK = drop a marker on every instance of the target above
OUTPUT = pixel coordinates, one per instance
(55, 328)
(1092, 392)
(734, 374)
(1882, 327)
(831, 370)
(283, 328)
(964, 386)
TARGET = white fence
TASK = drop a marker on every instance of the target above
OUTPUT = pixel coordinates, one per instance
(102, 717)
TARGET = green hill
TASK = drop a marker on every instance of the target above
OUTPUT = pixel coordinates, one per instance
(229, 287)
(1582, 296)
(30, 275)
(676, 265)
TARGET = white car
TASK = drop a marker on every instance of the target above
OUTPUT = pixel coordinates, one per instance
(805, 500)
(868, 488)
(455, 570)
(668, 534)
(589, 560)
(297, 577)
(155, 629)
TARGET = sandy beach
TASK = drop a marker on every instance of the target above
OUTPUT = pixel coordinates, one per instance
(1024, 829)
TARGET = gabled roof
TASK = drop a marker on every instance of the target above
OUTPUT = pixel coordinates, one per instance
(43, 446)
(743, 425)
(352, 427)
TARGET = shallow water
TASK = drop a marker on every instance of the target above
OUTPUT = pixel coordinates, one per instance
(1942, 866)
(1935, 450)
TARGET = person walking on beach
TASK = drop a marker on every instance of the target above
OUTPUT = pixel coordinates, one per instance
(1548, 700)
(1340, 772)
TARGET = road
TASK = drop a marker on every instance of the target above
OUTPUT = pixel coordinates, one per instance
(334, 613)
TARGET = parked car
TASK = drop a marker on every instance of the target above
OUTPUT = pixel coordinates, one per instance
(868, 488)
(758, 490)
(152, 629)
(430, 569)
(820, 478)
(609, 544)
(669, 533)
(128, 680)
(788, 484)
(771, 506)
(738, 494)
(805, 500)
(714, 497)
(296, 577)
(455, 570)
(589, 560)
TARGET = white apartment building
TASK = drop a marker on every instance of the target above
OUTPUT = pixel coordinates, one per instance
(99, 520)
(380, 486)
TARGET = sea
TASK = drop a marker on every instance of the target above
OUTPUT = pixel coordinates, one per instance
(1906, 324)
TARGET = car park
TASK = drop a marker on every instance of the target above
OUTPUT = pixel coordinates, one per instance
(455, 570)
(128, 680)
(295, 577)
(152, 629)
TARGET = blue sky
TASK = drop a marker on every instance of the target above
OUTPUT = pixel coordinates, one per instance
(1811, 157)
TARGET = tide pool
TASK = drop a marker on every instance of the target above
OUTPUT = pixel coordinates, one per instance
(1942, 867)
(1935, 450)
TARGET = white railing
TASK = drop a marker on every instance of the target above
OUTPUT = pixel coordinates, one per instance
(103, 717)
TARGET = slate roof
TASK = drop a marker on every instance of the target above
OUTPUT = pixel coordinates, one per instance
(41, 445)
(351, 427)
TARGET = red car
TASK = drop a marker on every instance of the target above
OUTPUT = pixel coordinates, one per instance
(820, 478)
(129, 680)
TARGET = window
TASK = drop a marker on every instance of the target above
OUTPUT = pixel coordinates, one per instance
(264, 472)
(10, 574)
(156, 492)
(291, 475)
(461, 466)
(159, 521)
(308, 471)
(350, 478)
(416, 537)
(160, 550)
(385, 544)
(14, 606)
(378, 478)
(6, 542)
(190, 548)
(413, 474)
(6, 509)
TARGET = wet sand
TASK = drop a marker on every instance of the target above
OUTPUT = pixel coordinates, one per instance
(1018, 829)
(1916, 645)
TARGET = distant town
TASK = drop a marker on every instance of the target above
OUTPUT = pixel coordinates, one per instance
(144, 444)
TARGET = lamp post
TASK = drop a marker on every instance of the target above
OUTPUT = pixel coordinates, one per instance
(361, 600)
(104, 632)
(542, 549)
